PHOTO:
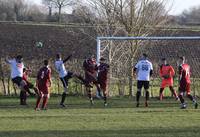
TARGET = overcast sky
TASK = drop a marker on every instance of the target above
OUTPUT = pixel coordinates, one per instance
(178, 5)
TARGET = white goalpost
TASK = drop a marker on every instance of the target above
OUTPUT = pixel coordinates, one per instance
(99, 39)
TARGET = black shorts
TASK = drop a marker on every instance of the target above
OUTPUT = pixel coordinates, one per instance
(66, 79)
(17, 80)
(140, 84)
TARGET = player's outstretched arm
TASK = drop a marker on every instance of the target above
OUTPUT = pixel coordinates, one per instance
(7, 60)
(65, 60)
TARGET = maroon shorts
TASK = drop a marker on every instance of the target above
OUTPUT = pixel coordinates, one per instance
(43, 89)
(91, 78)
(184, 87)
(103, 84)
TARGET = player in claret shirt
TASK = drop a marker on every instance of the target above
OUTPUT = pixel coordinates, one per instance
(43, 83)
(184, 83)
(23, 95)
(90, 67)
(167, 73)
(144, 70)
(103, 69)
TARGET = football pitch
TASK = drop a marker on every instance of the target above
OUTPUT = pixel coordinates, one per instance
(79, 119)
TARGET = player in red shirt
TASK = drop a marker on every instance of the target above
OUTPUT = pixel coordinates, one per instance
(29, 85)
(43, 84)
(103, 78)
(90, 68)
(184, 83)
(167, 73)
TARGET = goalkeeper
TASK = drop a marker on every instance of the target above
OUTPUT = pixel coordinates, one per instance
(167, 73)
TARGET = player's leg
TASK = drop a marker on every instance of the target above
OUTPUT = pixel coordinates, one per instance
(146, 87)
(31, 86)
(161, 94)
(190, 96)
(162, 87)
(181, 93)
(64, 94)
(39, 97)
(22, 86)
(89, 91)
(173, 92)
(45, 100)
(82, 80)
(98, 89)
(103, 87)
(138, 94)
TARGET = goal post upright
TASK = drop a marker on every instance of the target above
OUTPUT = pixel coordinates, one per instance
(140, 38)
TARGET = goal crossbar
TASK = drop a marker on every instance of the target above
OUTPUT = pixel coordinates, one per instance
(140, 38)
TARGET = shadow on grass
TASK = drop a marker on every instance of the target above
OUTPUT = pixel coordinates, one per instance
(152, 132)
(83, 102)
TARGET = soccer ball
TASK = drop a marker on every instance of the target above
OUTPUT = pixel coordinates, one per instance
(39, 44)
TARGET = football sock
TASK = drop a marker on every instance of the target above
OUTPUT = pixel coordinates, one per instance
(181, 99)
(63, 98)
(147, 95)
(45, 100)
(138, 94)
(21, 97)
(38, 102)
(161, 93)
(105, 98)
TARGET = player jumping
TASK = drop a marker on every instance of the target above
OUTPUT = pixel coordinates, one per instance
(184, 83)
(43, 83)
(144, 70)
(103, 78)
(90, 67)
(65, 75)
(17, 67)
(167, 73)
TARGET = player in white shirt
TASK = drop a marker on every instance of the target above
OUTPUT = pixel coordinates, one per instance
(65, 75)
(143, 70)
(17, 67)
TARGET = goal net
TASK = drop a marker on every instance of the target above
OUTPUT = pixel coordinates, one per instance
(123, 52)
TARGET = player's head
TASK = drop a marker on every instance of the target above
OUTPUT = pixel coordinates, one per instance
(92, 57)
(46, 62)
(24, 69)
(19, 58)
(182, 59)
(102, 60)
(164, 61)
(58, 56)
(144, 56)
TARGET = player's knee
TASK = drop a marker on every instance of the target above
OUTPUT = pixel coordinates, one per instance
(65, 90)
(138, 93)
(139, 90)
(180, 94)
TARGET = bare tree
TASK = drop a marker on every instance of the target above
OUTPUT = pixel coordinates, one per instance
(49, 4)
(132, 16)
(60, 4)
(18, 6)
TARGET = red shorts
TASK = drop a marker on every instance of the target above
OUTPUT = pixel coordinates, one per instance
(43, 89)
(103, 84)
(91, 78)
(167, 82)
(184, 87)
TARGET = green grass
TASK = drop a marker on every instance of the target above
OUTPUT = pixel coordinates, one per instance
(119, 119)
